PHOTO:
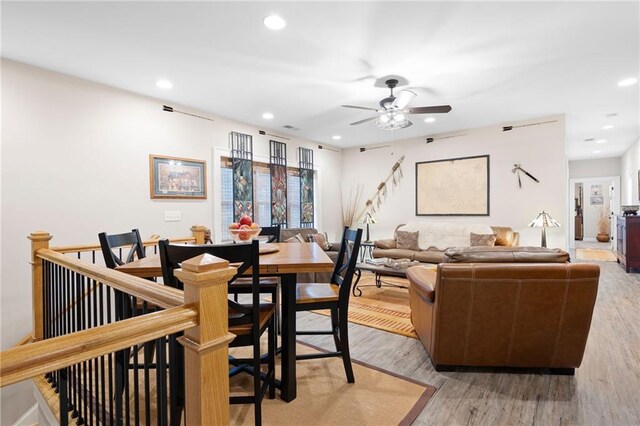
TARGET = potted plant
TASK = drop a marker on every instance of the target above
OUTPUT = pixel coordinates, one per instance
(604, 224)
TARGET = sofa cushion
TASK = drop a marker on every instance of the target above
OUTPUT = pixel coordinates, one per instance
(407, 240)
(386, 244)
(295, 239)
(505, 255)
(423, 281)
(428, 256)
(481, 239)
(443, 235)
(394, 253)
(321, 239)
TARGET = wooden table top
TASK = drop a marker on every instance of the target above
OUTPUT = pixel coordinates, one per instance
(290, 259)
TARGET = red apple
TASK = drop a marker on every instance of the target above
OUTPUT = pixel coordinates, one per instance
(245, 220)
(244, 234)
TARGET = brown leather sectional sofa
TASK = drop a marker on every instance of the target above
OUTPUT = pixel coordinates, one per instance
(504, 307)
(388, 247)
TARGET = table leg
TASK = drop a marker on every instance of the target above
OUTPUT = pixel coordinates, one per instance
(358, 274)
(288, 368)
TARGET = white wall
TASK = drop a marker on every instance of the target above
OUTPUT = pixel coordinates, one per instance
(594, 168)
(75, 163)
(540, 149)
(629, 167)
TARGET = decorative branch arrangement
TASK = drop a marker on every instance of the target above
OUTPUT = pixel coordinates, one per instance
(350, 205)
(380, 195)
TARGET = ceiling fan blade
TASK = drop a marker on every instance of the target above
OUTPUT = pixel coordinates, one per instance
(409, 124)
(364, 121)
(403, 99)
(430, 110)
(359, 107)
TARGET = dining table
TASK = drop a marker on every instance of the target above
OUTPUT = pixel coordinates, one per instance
(289, 260)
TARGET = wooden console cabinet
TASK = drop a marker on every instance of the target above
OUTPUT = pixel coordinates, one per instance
(628, 242)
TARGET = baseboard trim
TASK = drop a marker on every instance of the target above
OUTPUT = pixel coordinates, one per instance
(30, 417)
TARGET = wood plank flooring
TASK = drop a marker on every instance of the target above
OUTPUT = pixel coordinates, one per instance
(604, 391)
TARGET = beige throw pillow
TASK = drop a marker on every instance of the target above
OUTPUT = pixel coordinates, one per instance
(321, 239)
(295, 239)
(407, 240)
(482, 239)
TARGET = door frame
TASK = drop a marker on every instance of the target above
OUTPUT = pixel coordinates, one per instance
(615, 205)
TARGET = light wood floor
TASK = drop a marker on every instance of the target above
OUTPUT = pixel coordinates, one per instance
(604, 391)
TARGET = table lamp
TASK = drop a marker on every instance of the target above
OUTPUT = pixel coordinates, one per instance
(544, 221)
(368, 219)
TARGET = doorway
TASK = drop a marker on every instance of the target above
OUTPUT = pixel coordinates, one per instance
(594, 201)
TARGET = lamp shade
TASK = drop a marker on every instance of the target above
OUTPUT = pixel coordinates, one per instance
(543, 220)
(367, 218)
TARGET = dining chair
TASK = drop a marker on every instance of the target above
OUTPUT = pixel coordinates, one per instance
(335, 297)
(247, 321)
(109, 243)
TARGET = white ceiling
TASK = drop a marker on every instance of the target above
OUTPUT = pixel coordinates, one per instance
(493, 62)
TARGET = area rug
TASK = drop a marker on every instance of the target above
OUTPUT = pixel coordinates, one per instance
(596, 254)
(378, 397)
(385, 308)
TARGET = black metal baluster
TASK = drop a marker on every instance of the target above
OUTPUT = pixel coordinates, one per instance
(46, 306)
(84, 417)
(68, 307)
(90, 324)
(102, 359)
(111, 358)
(56, 331)
(64, 414)
(127, 390)
(75, 369)
(136, 387)
(147, 362)
(161, 381)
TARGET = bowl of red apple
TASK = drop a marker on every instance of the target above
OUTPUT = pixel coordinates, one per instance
(244, 230)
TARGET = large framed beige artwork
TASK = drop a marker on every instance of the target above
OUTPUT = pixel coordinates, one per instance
(177, 178)
(453, 187)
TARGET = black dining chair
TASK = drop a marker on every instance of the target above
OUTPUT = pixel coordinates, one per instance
(335, 297)
(130, 240)
(247, 321)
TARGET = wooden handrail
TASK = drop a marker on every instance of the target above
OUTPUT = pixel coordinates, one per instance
(28, 361)
(96, 247)
(157, 294)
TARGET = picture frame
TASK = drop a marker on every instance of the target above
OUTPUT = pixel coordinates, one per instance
(453, 187)
(177, 178)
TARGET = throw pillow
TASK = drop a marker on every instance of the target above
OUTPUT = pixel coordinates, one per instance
(407, 240)
(295, 239)
(321, 239)
(482, 239)
(504, 235)
(386, 244)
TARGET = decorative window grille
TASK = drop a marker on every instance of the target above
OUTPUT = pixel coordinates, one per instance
(305, 157)
(242, 159)
(278, 171)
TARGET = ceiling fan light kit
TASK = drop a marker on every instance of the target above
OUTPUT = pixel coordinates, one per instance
(393, 112)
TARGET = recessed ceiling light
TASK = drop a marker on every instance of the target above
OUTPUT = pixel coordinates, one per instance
(627, 82)
(597, 151)
(267, 116)
(601, 141)
(274, 22)
(607, 127)
(429, 120)
(164, 84)
(336, 137)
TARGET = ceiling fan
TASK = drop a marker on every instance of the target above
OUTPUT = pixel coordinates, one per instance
(393, 110)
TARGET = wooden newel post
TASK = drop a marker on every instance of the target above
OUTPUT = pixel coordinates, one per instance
(198, 232)
(39, 240)
(205, 280)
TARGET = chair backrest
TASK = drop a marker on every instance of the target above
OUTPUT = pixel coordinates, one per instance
(243, 256)
(272, 233)
(346, 262)
(109, 243)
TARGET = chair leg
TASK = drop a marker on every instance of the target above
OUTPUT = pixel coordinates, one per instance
(257, 383)
(344, 343)
(335, 322)
(271, 364)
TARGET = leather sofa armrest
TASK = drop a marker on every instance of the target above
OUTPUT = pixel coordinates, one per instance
(389, 243)
(423, 281)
